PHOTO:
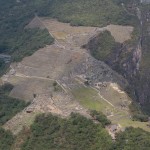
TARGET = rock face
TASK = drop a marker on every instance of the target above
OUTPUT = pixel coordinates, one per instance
(145, 1)
(126, 61)
(131, 59)
(135, 66)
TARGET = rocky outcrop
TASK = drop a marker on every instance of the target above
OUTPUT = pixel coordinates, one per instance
(126, 60)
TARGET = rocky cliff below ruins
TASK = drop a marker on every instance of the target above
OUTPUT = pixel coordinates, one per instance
(131, 58)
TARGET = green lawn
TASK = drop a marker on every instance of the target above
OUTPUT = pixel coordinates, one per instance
(90, 99)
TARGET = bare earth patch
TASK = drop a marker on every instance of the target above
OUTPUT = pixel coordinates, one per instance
(120, 33)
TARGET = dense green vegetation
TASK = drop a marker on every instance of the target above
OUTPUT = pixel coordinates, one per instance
(3, 67)
(14, 17)
(102, 46)
(50, 132)
(82, 12)
(26, 43)
(80, 133)
(15, 39)
(100, 117)
(9, 106)
(132, 139)
(6, 139)
(75, 133)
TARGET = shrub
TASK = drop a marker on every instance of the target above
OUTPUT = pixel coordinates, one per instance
(100, 117)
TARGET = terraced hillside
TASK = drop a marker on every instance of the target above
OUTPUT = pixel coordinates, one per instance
(54, 79)
(56, 90)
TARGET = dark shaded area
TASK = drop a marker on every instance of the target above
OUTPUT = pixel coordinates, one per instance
(9, 106)
(103, 46)
(100, 117)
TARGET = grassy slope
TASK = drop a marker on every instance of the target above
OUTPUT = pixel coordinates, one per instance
(90, 99)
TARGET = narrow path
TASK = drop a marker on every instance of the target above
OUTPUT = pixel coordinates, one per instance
(103, 97)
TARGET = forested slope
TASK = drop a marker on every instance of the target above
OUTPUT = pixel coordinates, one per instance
(15, 40)
(77, 132)
(15, 15)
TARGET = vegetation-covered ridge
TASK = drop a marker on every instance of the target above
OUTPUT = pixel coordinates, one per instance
(9, 106)
(132, 139)
(15, 15)
(86, 12)
(102, 46)
(78, 132)
(17, 41)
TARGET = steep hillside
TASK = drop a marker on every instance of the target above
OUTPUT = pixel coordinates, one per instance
(9, 106)
(76, 132)
(130, 58)
(16, 40)
(82, 61)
